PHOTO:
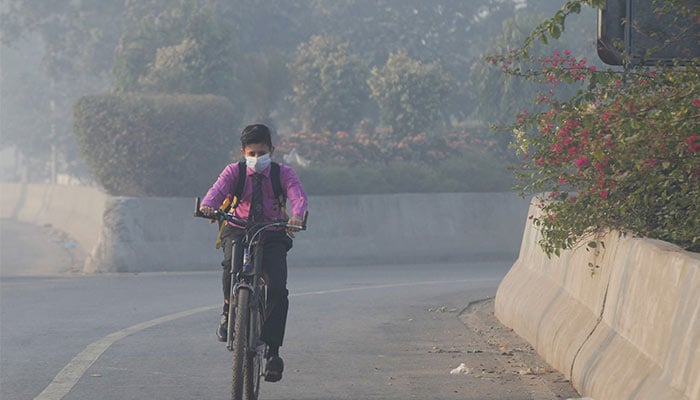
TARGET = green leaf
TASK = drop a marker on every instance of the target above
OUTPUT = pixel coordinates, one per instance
(555, 31)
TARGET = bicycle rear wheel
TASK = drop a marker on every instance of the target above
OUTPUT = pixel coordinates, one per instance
(240, 343)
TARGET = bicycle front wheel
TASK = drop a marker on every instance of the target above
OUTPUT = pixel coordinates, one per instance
(256, 354)
(240, 343)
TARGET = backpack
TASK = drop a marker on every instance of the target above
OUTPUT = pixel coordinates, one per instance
(231, 203)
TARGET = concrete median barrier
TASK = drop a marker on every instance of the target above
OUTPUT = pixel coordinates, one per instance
(629, 329)
(125, 234)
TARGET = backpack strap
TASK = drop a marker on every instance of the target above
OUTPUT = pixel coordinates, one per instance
(277, 190)
(238, 191)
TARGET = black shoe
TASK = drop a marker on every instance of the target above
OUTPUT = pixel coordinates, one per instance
(273, 369)
(223, 326)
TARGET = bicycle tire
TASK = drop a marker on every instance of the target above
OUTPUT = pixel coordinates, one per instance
(254, 356)
(240, 343)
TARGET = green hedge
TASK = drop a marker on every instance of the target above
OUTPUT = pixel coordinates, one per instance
(471, 172)
(155, 145)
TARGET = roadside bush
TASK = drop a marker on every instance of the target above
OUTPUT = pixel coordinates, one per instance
(155, 145)
(380, 162)
(383, 146)
(469, 172)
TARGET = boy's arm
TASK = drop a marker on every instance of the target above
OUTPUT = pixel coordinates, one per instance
(221, 188)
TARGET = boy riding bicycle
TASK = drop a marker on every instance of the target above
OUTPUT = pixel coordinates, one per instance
(257, 201)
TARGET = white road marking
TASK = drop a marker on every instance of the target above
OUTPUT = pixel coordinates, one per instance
(390, 285)
(75, 369)
(68, 377)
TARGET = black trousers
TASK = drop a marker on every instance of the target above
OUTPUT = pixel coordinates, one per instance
(276, 244)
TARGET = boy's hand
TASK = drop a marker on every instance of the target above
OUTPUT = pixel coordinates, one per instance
(295, 220)
(207, 211)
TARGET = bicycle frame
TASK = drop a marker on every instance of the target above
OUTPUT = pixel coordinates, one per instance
(247, 303)
(249, 278)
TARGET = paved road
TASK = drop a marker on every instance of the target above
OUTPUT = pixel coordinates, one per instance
(361, 332)
(377, 332)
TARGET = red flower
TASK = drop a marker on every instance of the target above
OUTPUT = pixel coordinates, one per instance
(582, 161)
(693, 143)
(604, 194)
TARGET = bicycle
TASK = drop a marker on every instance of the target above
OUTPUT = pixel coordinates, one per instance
(247, 304)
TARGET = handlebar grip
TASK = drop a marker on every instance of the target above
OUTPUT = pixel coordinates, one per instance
(306, 216)
(197, 204)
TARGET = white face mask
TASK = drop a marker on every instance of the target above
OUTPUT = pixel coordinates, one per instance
(258, 164)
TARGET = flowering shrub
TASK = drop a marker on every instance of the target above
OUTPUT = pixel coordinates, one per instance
(383, 147)
(623, 153)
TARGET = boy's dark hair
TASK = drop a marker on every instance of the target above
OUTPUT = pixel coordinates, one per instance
(256, 133)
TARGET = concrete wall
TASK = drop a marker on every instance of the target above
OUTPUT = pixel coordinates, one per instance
(122, 234)
(75, 210)
(631, 330)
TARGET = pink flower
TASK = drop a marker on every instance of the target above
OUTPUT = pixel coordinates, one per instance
(693, 144)
(582, 161)
(696, 103)
(604, 194)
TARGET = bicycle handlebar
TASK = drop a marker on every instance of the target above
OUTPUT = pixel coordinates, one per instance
(224, 216)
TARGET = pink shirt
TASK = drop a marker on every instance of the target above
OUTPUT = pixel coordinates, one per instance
(226, 183)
